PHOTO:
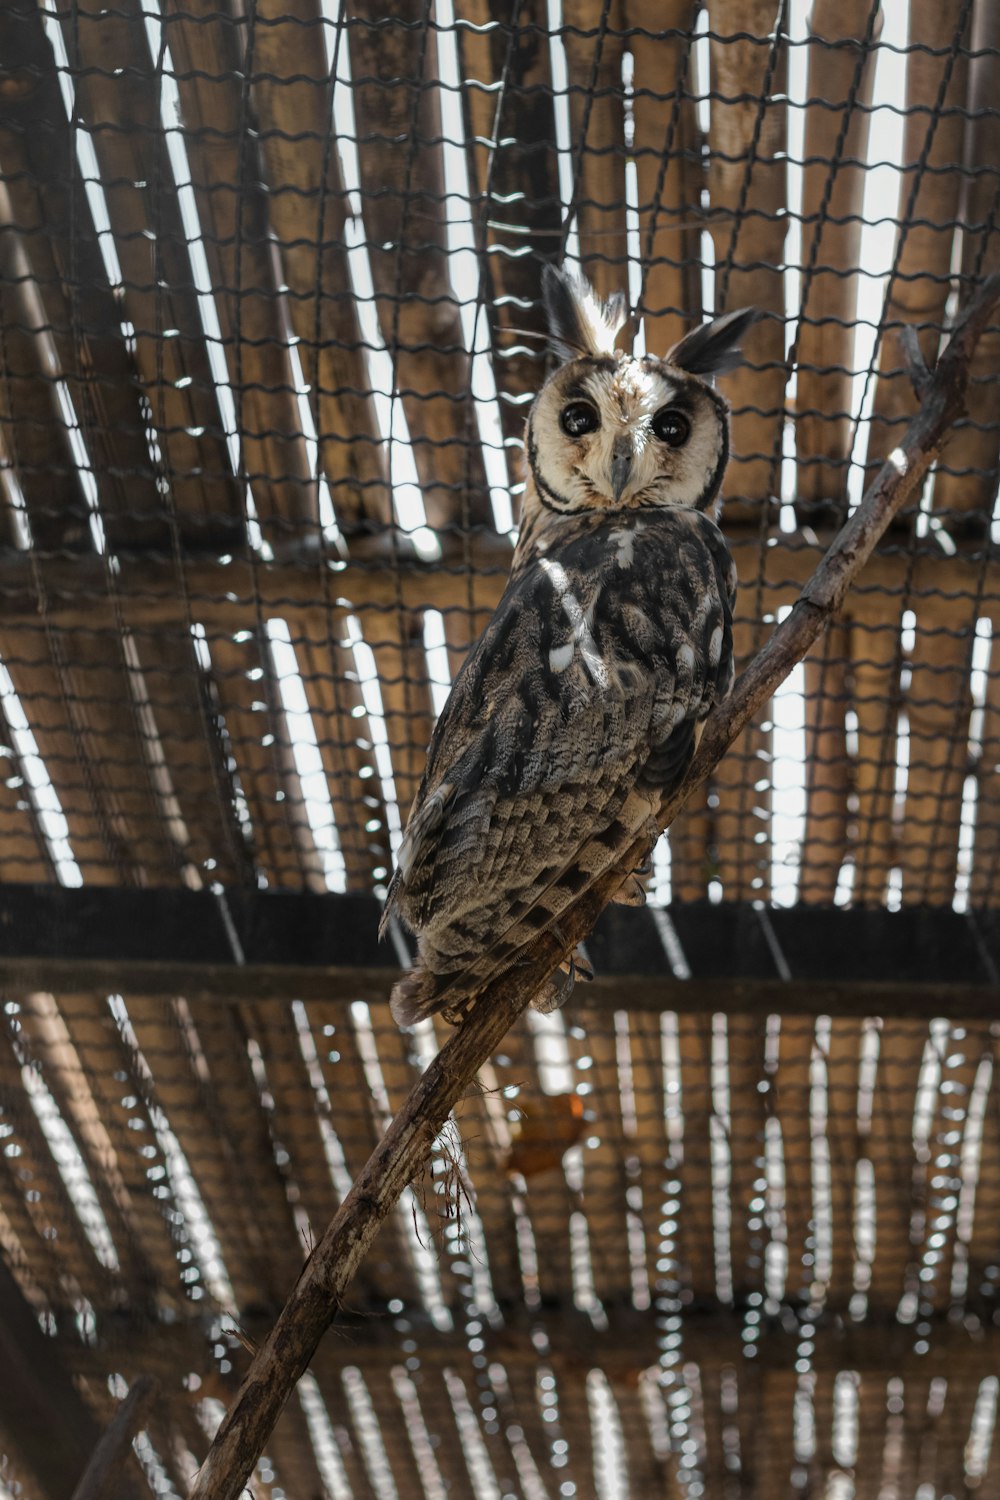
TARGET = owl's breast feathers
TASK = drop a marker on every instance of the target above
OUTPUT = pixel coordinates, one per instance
(574, 715)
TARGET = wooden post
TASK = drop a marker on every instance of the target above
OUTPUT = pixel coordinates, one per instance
(99, 1479)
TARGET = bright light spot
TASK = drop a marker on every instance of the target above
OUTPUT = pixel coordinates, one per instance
(323, 1439)
(438, 667)
(72, 1168)
(371, 693)
(200, 1231)
(44, 797)
(306, 755)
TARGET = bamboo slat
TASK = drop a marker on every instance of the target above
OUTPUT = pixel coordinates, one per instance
(691, 840)
(875, 669)
(118, 94)
(986, 835)
(76, 1044)
(982, 1241)
(57, 516)
(187, 748)
(244, 691)
(358, 1479)
(547, 1197)
(402, 181)
(512, 154)
(35, 440)
(890, 1148)
(84, 749)
(827, 767)
(574, 1419)
(901, 1456)
(294, 1114)
(399, 1070)
(648, 1474)
(435, 1412)
(291, 1450)
(824, 1461)
(791, 1106)
(346, 739)
(966, 482)
(120, 750)
(292, 99)
(525, 1414)
(871, 1436)
(58, 1254)
(842, 1060)
(669, 172)
(36, 1272)
(392, 1430)
(233, 1094)
(832, 201)
(188, 1099)
(938, 703)
(708, 1422)
(604, 1179)
(75, 303)
(741, 817)
(594, 54)
(919, 289)
(748, 197)
(24, 854)
(940, 1246)
(769, 1441)
(233, 211)
(650, 1146)
(745, 1048)
(397, 641)
(357, 1121)
(695, 1221)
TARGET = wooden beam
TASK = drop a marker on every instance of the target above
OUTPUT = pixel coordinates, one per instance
(712, 1334)
(230, 593)
(696, 957)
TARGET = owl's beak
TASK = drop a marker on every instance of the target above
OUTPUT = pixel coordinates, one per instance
(621, 466)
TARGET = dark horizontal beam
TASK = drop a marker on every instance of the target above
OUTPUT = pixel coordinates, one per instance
(258, 945)
(626, 1342)
(152, 592)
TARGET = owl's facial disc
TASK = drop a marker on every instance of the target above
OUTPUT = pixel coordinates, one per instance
(620, 433)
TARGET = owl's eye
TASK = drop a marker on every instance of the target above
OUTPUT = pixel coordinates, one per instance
(579, 418)
(672, 427)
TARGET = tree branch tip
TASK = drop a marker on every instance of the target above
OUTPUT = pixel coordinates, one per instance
(916, 366)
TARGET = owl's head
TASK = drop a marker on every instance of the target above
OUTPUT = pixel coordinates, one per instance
(612, 432)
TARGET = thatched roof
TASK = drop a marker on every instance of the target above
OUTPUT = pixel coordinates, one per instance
(269, 271)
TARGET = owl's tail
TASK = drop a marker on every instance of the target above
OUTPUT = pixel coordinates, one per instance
(421, 993)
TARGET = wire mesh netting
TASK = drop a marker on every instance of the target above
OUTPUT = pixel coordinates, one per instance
(269, 329)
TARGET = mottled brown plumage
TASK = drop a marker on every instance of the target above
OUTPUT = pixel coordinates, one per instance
(580, 707)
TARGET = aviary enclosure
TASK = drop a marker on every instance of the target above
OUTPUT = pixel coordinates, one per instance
(729, 1224)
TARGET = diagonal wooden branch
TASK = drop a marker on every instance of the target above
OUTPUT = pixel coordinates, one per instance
(318, 1294)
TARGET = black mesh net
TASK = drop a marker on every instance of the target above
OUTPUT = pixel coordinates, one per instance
(269, 328)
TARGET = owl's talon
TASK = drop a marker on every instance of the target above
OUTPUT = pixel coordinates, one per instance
(631, 892)
(555, 992)
(459, 1012)
(579, 966)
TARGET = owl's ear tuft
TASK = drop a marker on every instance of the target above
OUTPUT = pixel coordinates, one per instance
(714, 348)
(580, 322)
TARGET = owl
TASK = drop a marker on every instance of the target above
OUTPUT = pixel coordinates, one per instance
(580, 707)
